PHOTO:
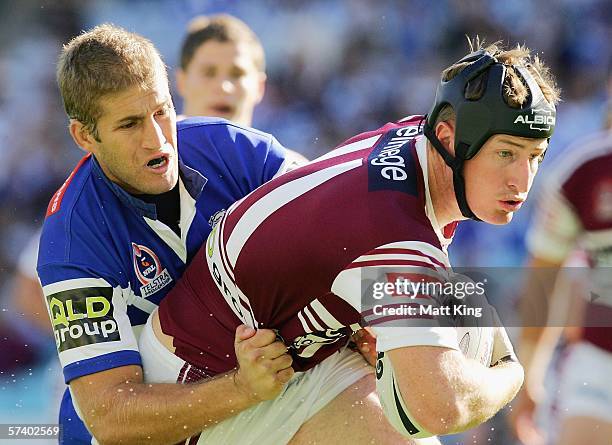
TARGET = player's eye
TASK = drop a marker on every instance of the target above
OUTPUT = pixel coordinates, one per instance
(209, 71)
(539, 157)
(237, 73)
(128, 125)
(504, 154)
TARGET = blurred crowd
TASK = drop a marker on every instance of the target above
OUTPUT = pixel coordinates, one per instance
(335, 68)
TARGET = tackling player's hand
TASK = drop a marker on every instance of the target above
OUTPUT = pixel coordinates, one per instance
(365, 342)
(264, 366)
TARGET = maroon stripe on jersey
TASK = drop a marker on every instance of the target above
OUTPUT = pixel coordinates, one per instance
(389, 251)
(182, 372)
(381, 263)
(194, 439)
(311, 327)
(317, 318)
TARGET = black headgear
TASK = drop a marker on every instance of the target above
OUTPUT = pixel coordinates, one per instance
(479, 119)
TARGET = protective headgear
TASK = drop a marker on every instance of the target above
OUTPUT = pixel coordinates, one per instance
(490, 114)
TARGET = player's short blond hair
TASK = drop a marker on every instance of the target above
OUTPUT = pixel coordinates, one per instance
(515, 90)
(220, 28)
(105, 60)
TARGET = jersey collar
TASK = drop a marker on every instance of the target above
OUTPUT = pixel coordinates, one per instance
(193, 181)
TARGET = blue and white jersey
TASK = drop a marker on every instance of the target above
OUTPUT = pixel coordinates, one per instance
(106, 261)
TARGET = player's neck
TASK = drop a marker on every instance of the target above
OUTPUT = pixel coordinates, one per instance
(440, 180)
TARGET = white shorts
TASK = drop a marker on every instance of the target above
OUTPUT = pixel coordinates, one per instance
(273, 421)
(585, 387)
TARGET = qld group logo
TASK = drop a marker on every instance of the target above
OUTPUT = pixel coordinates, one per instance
(149, 270)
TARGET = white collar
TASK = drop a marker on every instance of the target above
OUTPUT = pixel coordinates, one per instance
(421, 150)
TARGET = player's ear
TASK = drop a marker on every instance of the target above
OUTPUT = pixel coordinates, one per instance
(261, 87)
(180, 81)
(445, 132)
(81, 135)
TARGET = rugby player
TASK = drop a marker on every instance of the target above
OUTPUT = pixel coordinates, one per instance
(120, 231)
(575, 212)
(290, 255)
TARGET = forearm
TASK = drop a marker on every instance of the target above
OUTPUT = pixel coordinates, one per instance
(444, 392)
(165, 413)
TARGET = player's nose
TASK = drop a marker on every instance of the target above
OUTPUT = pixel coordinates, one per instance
(153, 137)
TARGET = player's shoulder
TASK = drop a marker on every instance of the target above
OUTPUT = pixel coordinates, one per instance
(409, 126)
(584, 160)
(215, 133)
(215, 146)
(74, 215)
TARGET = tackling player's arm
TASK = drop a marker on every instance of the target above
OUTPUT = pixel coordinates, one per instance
(118, 407)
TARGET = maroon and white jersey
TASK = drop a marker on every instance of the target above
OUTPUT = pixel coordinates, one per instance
(290, 255)
(575, 211)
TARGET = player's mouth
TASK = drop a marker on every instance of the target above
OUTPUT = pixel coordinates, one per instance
(511, 205)
(159, 164)
(222, 109)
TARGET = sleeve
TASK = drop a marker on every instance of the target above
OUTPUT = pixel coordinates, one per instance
(279, 160)
(556, 225)
(392, 286)
(89, 319)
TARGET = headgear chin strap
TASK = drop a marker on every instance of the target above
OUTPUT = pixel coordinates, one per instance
(477, 120)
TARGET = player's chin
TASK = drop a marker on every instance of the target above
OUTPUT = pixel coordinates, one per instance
(500, 217)
(160, 183)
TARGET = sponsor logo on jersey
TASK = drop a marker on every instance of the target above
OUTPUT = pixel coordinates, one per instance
(214, 223)
(149, 270)
(308, 344)
(539, 119)
(391, 165)
(81, 317)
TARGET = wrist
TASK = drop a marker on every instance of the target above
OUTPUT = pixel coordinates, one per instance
(247, 395)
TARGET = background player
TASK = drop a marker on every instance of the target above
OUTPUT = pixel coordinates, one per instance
(222, 71)
(575, 212)
(383, 199)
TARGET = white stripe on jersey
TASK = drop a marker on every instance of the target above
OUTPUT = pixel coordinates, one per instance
(277, 198)
(76, 283)
(304, 324)
(312, 319)
(426, 249)
(350, 148)
(395, 257)
(327, 318)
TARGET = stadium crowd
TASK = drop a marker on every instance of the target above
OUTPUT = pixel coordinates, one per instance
(334, 69)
